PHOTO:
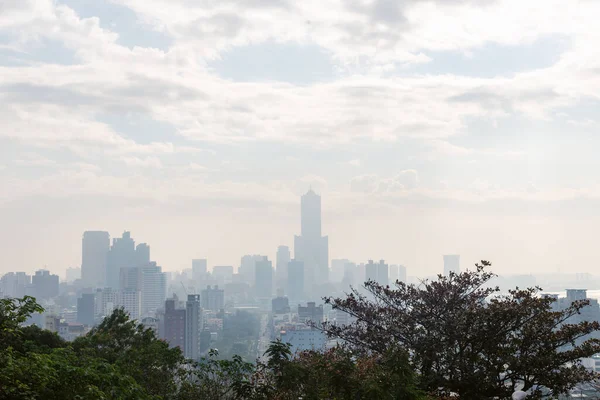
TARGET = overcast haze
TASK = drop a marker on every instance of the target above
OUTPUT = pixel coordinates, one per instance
(428, 127)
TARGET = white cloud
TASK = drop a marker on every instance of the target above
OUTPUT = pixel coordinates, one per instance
(147, 162)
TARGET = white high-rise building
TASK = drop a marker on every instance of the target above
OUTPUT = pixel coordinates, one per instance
(281, 270)
(131, 302)
(193, 327)
(310, 247)
(94, 251)
(451, 264)
(213, 299)
(106, 301)
(153, 288)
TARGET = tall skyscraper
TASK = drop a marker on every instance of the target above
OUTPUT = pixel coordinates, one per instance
(264, 279)
(248, 267)
(402, 273)
(174, 323)
(213, 299)
(94, 251)
(377, 272)
(281, 265)
(153, 288)
(451, 264)
(338, 268)
(142, 254)
(295, 281)
(222, 274)
(86, 309)
(199, 270)
(310, 247)
(193, 326)
(121, 255)
(131, 302)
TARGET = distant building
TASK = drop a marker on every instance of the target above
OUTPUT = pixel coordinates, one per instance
(223, 274)
(401, 273)
(73, 274)
(131, 302)
(310, 313)
(86, 309)
(451, 264)
(122, 254)
(95, 246)
(377, 272)
(342, 318)
(264, 279)
(281, 265)
(106, 301)
(193, 327)
(45, 284)
(151, 323)
(248, 267)
(15, 284)
(153, 288)
(338, 269)
(303, 338)
(213, 299)
(280, 305)
(142, 254)
(174, 323)
(295, 281)
(199, 270)
(310, 247)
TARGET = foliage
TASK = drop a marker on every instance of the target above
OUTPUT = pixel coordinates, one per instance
(468, 339)
(133, 348)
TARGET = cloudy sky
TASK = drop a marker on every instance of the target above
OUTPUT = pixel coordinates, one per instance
(429, 127)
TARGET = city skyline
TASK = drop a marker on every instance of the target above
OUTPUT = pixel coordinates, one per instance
(429, 127)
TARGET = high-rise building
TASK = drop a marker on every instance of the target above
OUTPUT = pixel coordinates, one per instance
(121, 255)
(248, 267)
(451, 264)
(310, 247)
(45, 284)
(193, 326)
(222, 274)
(382, 273)
(311, 313)
(174, 323)
(130, 278)
(72, 274)
(351, 277)
(15, 284)
(295, 281)
(281, 264)
(142, 254)
(377, 272)
(131, 302)
(106, 301)
(397, 273)
(95, 246)
(338, 269)
(264, 279)
(153, 288)
(213, 299)
(86, 309)
(280, 305)
(402, 273)
(199, 270)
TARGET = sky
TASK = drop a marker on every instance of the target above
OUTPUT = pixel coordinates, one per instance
(433, 127)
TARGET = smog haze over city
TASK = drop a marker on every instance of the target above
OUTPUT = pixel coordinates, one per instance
(428, 128)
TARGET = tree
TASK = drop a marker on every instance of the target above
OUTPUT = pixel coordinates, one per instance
(466, 338)
(135, 350)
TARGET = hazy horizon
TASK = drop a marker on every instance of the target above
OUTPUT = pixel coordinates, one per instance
(428, 128)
